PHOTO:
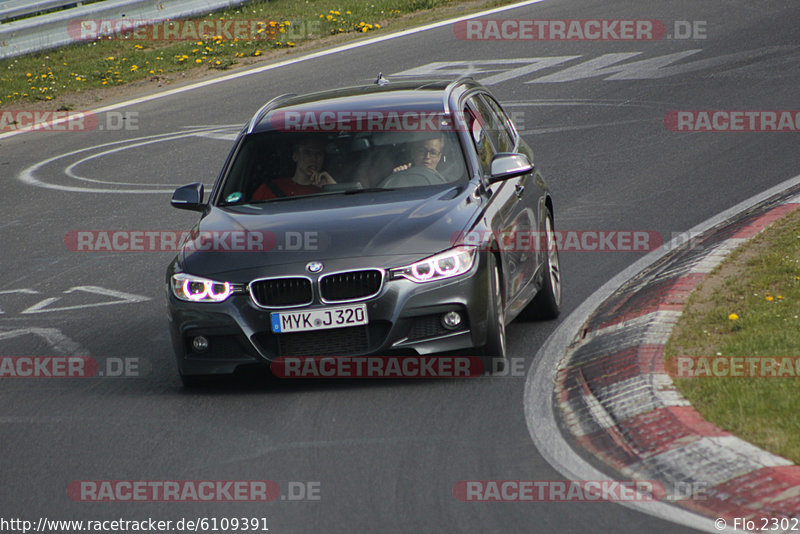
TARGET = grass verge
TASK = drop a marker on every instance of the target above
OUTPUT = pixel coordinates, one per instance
(273, 27)
(748, 306)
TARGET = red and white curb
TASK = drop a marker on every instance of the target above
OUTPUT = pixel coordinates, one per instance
(617, 400)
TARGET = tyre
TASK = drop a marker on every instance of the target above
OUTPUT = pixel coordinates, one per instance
(493, 353)
(547, 302)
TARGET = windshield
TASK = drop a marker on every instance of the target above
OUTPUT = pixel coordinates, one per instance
(279, 165)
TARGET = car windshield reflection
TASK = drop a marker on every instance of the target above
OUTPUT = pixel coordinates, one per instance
(276, 165)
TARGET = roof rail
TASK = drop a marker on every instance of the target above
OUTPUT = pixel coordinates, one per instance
(451, 86)
(266, 108)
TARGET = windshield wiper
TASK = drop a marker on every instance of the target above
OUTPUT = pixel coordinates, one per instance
(292, 197)
(367, 190)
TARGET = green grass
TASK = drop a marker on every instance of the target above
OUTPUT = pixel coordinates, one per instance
(287, 23)
(760, 283)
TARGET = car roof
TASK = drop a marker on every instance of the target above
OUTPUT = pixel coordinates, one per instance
(418, 95)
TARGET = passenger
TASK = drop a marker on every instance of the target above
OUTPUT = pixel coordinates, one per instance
(308, 178)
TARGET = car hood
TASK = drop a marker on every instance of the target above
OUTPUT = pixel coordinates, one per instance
(406, 225)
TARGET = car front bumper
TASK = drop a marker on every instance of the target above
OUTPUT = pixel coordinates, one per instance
(404, 319)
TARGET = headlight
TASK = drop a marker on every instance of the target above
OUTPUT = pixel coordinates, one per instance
(198, 289)
(446, 264)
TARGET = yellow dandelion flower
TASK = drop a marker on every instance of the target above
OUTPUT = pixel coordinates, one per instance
(198, 60)
(134, 67)
(733, 317)
(769, 298)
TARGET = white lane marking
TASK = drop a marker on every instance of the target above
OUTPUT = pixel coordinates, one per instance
(70, 172)
(538, 399)
(607, 66)
(652, 68)
(119, 296)
(11, 291)
(28, 175)
(53, 336)
(279, 64)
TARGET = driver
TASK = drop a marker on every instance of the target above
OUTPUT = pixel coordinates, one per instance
(309, 157)
(426, 153)
(423, 167)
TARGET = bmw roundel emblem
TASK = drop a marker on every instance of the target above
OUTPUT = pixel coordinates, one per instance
(314, 267)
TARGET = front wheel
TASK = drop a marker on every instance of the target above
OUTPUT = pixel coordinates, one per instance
(493, 354)
(547, 302)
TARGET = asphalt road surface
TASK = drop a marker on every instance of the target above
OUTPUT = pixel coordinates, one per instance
(380, 455)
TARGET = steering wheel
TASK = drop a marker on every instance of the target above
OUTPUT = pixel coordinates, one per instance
(412, 177)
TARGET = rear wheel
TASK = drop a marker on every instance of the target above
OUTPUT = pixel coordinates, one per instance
(493, 354)
(547, 303)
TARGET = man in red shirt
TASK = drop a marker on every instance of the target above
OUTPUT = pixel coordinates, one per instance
(308, 178)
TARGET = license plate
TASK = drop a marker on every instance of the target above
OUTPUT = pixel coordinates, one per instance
(301, 321)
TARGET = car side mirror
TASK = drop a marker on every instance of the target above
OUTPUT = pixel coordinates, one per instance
(507, 165)
(189, 197)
